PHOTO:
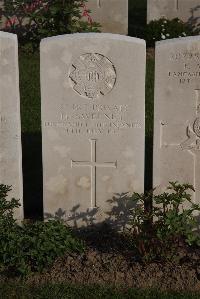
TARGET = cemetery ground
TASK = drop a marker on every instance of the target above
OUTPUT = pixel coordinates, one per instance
(109, 266)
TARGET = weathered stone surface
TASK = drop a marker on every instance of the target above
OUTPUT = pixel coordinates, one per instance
(10, 131)
(186, 10)
(93, 124)
(177, 113)
(112, 15)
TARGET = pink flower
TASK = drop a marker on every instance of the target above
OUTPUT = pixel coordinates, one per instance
(11, 22)
(86, 13)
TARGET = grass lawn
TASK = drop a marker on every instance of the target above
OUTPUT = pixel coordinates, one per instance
(64, 291)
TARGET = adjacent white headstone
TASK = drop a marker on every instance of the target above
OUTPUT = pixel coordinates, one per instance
(10, 131)
(2, 19)
(92, 123)
(177, 113)
(111, 14)
(186, 10)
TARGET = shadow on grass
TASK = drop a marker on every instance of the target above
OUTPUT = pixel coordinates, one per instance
(32, 175)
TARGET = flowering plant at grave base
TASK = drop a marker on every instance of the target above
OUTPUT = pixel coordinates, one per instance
(161, 224)
(163, 29)
(31, 246)
(33, 20)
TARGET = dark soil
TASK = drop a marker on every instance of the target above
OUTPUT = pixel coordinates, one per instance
(150, 53)
(109, 259)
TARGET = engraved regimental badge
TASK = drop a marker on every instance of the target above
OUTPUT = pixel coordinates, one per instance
(193, 133)
(196, 127)
(92, 75)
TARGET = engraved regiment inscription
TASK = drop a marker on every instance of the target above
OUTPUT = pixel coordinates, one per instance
(87, 119)
(189, 67)
(92, 75)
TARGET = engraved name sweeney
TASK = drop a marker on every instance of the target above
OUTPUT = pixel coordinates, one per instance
(92, 75)
(95, 119)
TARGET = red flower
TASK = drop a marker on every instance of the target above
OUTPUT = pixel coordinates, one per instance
(86, 13)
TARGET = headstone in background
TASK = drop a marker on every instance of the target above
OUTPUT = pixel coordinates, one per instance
(3, 19)
(186, 10)
(177, 113)
(93, 125)
(111, 14)
(10, 130)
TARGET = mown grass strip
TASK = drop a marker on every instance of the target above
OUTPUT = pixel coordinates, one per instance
(66, 291)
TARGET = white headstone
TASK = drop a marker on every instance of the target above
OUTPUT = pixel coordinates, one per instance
(10, 131)
(186, 10)
(92, 122)
(177, 113)
(2, 19)
(112, 15)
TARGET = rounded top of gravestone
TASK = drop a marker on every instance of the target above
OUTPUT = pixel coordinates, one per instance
(178, 40)
(8, 35)
(95, 35)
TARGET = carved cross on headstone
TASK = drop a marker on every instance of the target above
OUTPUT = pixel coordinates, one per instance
(192, 143)
(177, 4)
(93, 164)
(99, 3)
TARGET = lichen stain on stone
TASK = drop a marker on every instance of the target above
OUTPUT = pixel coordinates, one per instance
(133, 185)
(168, 91)
(57, 184)
(106, 178)
(128, 152)
(110, 189)
(4, 62)
(62, 150)
(84, 182)
(61, 169)
(129, 169)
